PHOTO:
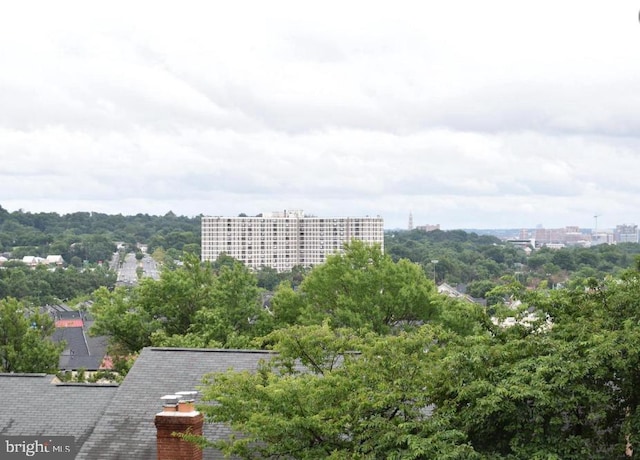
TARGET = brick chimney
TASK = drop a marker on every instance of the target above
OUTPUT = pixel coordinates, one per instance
(172, 421)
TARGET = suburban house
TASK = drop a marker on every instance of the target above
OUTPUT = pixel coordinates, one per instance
(111, 422)
(34, 261)
(450, 291)
(54, 260)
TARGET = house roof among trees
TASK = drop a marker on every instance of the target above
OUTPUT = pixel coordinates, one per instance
(158, 372)
(111, 422)
(82, 350)
(34, 405)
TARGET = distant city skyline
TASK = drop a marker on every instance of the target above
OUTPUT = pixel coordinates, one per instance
(599, 226)
(493, 114)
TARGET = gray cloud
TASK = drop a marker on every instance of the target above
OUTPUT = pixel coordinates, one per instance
(469, 115)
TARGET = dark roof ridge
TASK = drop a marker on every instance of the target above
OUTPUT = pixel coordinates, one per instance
(22, 374)
(86, 384)
(213, 350)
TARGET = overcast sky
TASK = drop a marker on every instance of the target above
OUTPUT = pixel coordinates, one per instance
(469, 114)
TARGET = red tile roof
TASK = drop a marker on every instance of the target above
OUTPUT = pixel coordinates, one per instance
(69, 323)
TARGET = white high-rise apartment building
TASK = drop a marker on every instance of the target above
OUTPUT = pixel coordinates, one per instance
(283, 240)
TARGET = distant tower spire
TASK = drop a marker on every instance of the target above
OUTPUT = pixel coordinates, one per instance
(410, 221)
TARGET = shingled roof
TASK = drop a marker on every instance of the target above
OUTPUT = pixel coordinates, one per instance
(82, 350)
(34, 405)
(126, 430)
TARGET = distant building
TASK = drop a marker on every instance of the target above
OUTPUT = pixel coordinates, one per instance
(55, 260)
(626, 233)
(283, 240)
(32, 261)
(428, 227)
(527, 244)
(561, 237)
(450, 291)
(602, 237)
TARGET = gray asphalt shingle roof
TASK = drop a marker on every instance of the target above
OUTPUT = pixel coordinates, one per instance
(126, 430)
(32, 406)
(82, 350)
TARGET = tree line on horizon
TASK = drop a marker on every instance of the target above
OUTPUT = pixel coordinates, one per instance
(474, 262)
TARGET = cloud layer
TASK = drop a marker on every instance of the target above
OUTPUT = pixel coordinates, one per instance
(469, 114)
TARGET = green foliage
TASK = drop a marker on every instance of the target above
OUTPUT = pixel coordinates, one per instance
(566, 389)
(92, 248)
(24, 340)
(466, 258)
(178, 295)
(268, 278)
(191, 306)
(189, 340)
(462, 317)
(118, 315)
(462, 257)
(235, 307)
(563, 384)
(41, 285)
(360, 289)
(345, 405)
(91, 236)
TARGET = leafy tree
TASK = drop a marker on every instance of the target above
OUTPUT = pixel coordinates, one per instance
(24, 340)
(93, 248)
(268, 278)
(118, 315)
(318, 399)
(90, 236)
(175, 298)
(189, 306)
(479, 289)
(564, 260)
(76, 261)
(42, 285)
(362, 288)
(562, 384)
(234, 310)
(192, 248)
(567, 390)
(463, 257)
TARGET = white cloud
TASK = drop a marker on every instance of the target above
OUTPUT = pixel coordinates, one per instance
(468, 114)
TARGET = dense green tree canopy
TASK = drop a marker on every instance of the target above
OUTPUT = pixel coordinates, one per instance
(362, 288)
(562, 383)
(193, 305)
(343, 405)
(43, 285)
(90, 235)
(119, 316)
(24, 340)
(467, 258)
